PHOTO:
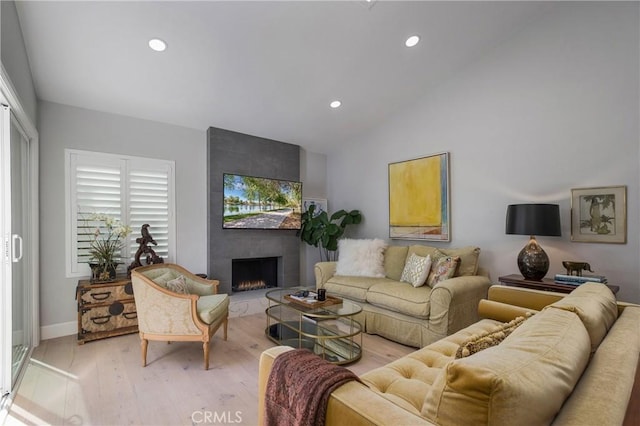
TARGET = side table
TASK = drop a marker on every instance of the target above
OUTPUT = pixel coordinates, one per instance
(105, 309)
(545, 284)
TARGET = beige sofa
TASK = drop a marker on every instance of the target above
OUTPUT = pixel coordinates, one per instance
(400, 312)
(572, 363)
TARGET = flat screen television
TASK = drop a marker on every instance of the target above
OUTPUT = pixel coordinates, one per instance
(261, 203)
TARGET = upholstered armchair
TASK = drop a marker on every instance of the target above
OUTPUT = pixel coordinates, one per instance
(175, 305)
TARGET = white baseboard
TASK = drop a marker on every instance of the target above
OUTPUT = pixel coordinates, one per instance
(58, 330)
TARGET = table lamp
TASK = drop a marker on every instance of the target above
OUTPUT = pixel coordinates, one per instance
(533, 219)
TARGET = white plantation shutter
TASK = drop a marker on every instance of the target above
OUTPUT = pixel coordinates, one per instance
(98, 189)
(149, 203)
(132, 190)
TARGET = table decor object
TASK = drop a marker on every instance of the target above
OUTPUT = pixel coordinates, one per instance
(532, 220)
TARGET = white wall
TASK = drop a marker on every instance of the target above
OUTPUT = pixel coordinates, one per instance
(556, 107)
(68, 127)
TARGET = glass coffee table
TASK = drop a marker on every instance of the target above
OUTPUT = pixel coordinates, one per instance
(327, 328)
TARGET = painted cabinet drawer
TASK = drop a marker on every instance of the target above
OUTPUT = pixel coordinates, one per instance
(109, 317)
(104, 293)
(105, 310)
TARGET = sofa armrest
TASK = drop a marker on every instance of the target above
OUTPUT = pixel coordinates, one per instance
(266, 362)
(324, 271)
(352, 403)
(523, 297)
(501, 311)
(454, 303)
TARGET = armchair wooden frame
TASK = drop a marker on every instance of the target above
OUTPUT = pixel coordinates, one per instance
(167, 316)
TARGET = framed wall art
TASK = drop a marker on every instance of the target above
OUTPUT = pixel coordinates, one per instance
(320, 203)
(419, 199)
(599, 215)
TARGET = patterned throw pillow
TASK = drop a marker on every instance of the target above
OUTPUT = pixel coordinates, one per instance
(178, 285)
(416, 270)
(490, 338)
(444, 268)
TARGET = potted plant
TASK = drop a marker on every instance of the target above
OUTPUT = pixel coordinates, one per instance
(105, 246)
(320, 230)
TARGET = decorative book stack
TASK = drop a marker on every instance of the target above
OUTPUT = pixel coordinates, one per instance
(576, 280)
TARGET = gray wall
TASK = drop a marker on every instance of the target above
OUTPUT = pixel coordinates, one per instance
(313, 171)
(232, 152)
(556, 107)
(15, 60)
(68, 127)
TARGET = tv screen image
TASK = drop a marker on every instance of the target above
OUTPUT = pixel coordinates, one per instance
(261, 203)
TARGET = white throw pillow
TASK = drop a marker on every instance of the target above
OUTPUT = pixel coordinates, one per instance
(416, 270)
(361, 258)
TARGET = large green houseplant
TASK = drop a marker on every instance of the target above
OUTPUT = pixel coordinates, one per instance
(320, 230)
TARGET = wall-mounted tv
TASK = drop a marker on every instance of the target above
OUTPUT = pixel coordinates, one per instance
(260, 203)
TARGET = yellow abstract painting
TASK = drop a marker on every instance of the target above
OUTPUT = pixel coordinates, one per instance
(418, 198)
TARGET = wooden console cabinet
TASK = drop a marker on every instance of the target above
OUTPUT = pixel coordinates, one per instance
(545, 284)
(105, 309)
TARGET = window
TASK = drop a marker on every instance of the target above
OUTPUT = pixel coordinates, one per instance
(131, 190)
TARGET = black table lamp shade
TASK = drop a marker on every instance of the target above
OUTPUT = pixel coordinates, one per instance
(533, 219)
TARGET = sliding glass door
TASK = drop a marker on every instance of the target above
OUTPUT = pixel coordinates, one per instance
(16, 305)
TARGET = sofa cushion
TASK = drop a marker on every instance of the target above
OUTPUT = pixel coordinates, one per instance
(596, 306)
(469, 256)
(537, 366)
(406, 381)
(416, 270)
(354, 288)
(401, 297)
(361, 258)
(211, 308)
(422, 250)
(394, 260)
(160, 276)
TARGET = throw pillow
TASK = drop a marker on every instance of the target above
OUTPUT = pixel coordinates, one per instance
(416, 270)
(468, 259)
(178, 285)
(361, 258)
(490, 338)
(444, 268)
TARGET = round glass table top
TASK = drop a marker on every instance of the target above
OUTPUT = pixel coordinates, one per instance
(332, 307)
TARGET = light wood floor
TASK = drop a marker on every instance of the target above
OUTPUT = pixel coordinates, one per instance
(103, 383)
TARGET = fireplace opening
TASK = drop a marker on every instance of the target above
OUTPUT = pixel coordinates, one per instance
(254, 274)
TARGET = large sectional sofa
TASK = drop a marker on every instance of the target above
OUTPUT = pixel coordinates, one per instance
(414, 316)
(573, 362)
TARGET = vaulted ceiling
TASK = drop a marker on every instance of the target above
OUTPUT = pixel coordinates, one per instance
(264, 68)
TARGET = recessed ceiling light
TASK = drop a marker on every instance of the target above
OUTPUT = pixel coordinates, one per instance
(157, 44)
(335, 104)
(412, 41)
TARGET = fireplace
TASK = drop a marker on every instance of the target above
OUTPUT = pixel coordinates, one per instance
(254, 274)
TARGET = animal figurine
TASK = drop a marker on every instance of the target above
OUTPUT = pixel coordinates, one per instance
(576, 268)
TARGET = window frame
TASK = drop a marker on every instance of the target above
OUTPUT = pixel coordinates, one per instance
(76, 269)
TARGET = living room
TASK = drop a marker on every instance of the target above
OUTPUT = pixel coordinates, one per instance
(551, 106)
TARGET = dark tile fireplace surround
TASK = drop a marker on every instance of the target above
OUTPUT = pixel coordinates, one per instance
(231, 152)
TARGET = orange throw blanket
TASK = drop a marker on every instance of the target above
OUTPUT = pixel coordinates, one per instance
(299, 387)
